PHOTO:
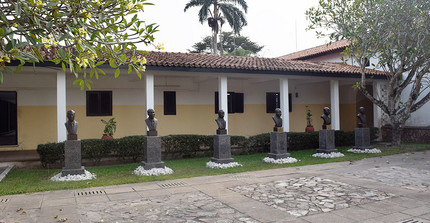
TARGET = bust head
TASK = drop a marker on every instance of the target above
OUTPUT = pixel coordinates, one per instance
(278, 112)
(221, 113)
(362, 110)
(326, 111)
(71, 115)
(151, 113)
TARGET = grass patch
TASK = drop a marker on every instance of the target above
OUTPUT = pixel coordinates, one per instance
(20, 181)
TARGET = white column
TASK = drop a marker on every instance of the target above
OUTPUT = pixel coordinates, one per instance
(222, 97)
(283, 87)
(377, 112)
(149, 86)
(61, 106)
(334, 100)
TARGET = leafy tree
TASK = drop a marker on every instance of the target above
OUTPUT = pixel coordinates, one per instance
(233, 45)
(80, 35)
(222, 10)
(396, 33)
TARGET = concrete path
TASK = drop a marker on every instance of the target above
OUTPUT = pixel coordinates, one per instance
(386, 189)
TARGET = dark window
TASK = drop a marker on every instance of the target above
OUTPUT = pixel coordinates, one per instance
(99, 103)
(234, 102)
(367, 62)
(169, 103)
(8, 118)
(273, 101)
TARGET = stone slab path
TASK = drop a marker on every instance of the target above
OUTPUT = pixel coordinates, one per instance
(387, 189)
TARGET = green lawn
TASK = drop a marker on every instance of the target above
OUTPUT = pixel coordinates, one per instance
(20, 181)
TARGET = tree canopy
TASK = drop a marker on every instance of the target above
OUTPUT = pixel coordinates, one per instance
(223, 10)
(233, 45)
(79, 35)
(397, 34)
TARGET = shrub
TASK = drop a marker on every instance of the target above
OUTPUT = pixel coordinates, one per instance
(129, 147)
(51, 153)
(302, 140)
(187, 145)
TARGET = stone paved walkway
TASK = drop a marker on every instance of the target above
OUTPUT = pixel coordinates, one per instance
(388, 189)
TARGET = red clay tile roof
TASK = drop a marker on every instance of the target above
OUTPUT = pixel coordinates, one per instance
(210, 61)
(254, 64)
(315, 51)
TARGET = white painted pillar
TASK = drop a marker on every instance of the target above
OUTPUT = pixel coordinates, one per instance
(61, 106)
(283, 87)
(222, 97)
(377, 112)
(149, 86)
(335, 108)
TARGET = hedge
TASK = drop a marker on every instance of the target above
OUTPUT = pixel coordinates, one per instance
(184, 146)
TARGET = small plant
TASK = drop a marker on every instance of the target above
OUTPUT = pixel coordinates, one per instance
(110, 127)
(308, 116)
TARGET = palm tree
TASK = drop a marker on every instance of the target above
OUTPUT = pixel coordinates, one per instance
(222, 10)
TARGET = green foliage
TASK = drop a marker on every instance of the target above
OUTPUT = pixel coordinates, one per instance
(129, 147)
(51, 153)
(302, 140)
(110, 127)
(187, 145)
(232, 45)
(308, 116)
(396, 34)
(81, 35)
(96, 149)
(230, 10)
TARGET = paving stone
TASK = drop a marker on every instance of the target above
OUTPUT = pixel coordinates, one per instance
(57, 202)
(327, 217)
(395, 217)
(124, 196)
(186, 207)
(309, 195)
(383, 207)
(116, 190)
(92, 199)
(423, 210)
(356, 213)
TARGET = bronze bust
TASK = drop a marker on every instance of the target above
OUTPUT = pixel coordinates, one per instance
(221, 123)
(361, 118)
(326, 118)
(71, 126)
(278, 120)
(151, 123)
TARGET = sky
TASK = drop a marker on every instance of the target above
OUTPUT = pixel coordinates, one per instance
(278, 25)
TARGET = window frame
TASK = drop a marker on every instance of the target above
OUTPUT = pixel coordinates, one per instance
(231, 104)
(15, 120)
(165, 96)
(278, 103)
(99, 101)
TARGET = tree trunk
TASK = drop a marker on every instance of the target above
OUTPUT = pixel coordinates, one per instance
(221, 39)
(396, 135)
(214, 43)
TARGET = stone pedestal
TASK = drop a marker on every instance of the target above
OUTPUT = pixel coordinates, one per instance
(326, 141)
(222, 149)
(221, 131)
(278, 129)
(72, 158)
(152, 133)
(362, 138)
(278, 145)
(152, 153)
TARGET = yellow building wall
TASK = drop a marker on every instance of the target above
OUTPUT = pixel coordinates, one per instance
(348, 117)
(38, 124)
